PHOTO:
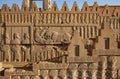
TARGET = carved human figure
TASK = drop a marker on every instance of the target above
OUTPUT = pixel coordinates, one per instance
(26, 39)
(39, 54)
(5, 48)
(50, 52)
(16, 38)
(57, 52)
(26, 53)
(45, 53)
(16, 49)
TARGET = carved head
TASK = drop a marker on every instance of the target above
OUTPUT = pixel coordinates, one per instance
(16, 36)
(26, 36)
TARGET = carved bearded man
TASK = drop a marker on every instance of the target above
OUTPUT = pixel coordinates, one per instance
(5, 48)
(16, 47)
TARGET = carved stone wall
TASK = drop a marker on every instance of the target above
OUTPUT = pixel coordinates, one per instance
(60, 44)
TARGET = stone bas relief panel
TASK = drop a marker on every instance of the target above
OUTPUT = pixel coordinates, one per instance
(49, 43)
(15, 44)
(15, 35)
(25, 44)
(49, 53)
(28, 44)
(52, 35)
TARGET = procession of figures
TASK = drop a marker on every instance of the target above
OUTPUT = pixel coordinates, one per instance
(16, 46)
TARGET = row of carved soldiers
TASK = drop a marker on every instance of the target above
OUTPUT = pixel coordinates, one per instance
(21, 53)
(48, 53)
(15, 53)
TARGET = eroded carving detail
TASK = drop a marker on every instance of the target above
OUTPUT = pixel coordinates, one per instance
(50, 43)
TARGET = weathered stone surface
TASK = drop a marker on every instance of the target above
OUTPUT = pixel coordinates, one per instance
(50, 43)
